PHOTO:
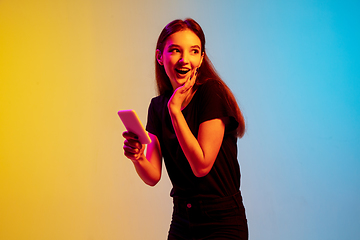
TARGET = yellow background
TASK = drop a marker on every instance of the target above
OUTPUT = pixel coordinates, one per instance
(67, 67)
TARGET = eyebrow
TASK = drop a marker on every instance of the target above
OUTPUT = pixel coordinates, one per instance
(195, 46)
(175, 45)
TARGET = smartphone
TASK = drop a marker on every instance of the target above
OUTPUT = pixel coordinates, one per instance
(133, 124)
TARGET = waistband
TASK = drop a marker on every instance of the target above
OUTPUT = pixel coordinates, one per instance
(236, 198)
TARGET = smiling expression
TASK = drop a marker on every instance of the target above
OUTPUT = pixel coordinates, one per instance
(181, 56)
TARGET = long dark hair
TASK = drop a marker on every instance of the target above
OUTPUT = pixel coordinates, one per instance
(206, 70)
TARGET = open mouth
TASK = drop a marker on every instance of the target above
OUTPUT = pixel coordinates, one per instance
(182, 71)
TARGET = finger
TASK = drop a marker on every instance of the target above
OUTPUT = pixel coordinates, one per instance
(195, 74)
(192, 78)
(133, 144)
(131, 156)
(188, 84)
(186, 87)
(130, 135)
(131, 150)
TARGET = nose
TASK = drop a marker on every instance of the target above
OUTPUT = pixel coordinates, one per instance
(184, 58)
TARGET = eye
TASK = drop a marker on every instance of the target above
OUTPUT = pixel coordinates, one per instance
(174, 50)
(195, 51)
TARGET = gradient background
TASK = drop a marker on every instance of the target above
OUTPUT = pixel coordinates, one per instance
(68, 66)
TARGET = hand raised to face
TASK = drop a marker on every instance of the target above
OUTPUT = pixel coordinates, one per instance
(183, 94)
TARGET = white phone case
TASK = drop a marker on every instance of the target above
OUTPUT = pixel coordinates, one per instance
(133, 124)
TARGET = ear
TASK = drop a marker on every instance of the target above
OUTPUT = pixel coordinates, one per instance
(159, 57)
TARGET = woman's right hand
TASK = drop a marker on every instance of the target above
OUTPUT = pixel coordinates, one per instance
(133, 149)
(181, 94)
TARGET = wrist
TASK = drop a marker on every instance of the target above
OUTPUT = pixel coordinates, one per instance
(174, 111)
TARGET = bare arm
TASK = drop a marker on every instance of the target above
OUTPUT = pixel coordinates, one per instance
(148, 167)
(200, 151)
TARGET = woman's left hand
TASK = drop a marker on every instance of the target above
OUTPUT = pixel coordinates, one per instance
(180, 94)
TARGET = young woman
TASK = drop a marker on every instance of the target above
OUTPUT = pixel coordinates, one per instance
(194, 124)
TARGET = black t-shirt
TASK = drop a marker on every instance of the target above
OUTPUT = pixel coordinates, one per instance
(207, 103)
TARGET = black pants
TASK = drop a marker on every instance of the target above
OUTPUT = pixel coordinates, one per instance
(220, 218)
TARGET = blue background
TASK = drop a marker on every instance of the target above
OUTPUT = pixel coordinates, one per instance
(294, 67)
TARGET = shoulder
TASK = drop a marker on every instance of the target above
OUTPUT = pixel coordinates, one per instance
(212, 88)
(158, 106)
(159, 101)
(210, 83)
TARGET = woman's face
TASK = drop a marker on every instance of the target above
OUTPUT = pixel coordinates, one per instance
(181, 56)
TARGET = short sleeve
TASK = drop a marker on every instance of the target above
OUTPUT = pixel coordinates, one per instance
(214, 104)
(152, 119)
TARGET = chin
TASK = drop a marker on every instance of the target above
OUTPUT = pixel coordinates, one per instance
(178, 82)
